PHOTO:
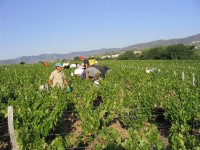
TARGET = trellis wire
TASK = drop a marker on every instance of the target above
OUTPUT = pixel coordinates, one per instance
(5, 135)
(69, 133)
(3, 123)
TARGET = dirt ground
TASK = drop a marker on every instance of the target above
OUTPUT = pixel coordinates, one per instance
(4, 138)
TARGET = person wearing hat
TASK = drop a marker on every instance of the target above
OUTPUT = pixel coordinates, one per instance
(57, 77)
(86, 64)
(92, 61)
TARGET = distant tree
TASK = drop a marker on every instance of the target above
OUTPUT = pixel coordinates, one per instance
(76, 58)
(144, 55)
(196, 54)
(22, 62)
(155, 53)
(128, 55)
(64, 60)
(179, 51)
(191, 47)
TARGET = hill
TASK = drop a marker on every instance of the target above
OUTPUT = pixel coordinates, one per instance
(195, 39)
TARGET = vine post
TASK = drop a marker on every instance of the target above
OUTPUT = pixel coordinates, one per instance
(193, 79)
(183, 76)
(11, 128)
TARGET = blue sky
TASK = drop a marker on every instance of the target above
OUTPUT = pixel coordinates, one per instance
(33, 27)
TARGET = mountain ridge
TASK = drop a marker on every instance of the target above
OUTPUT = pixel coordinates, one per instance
(47, 57)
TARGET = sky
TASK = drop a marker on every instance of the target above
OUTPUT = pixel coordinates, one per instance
(34, 27)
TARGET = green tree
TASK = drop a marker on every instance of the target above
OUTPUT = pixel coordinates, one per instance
(179, 51)
(76, 58)
(128, 55)
(155, 53)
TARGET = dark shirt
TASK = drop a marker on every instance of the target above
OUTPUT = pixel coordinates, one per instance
(106, 68)
(85, 61)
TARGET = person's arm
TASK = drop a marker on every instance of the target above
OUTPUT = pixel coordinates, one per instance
(86, 72)
(50, 82)
(68, 88)
(65, 82)
(86, 75)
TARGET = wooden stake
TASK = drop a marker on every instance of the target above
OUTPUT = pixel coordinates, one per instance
(11, 128)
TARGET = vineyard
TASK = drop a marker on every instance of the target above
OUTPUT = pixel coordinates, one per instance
(131, 109)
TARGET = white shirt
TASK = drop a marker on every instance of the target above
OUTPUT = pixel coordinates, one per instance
(57, 78)
(78, 71)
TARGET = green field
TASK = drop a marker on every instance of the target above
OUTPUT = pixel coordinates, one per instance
(131, 109)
